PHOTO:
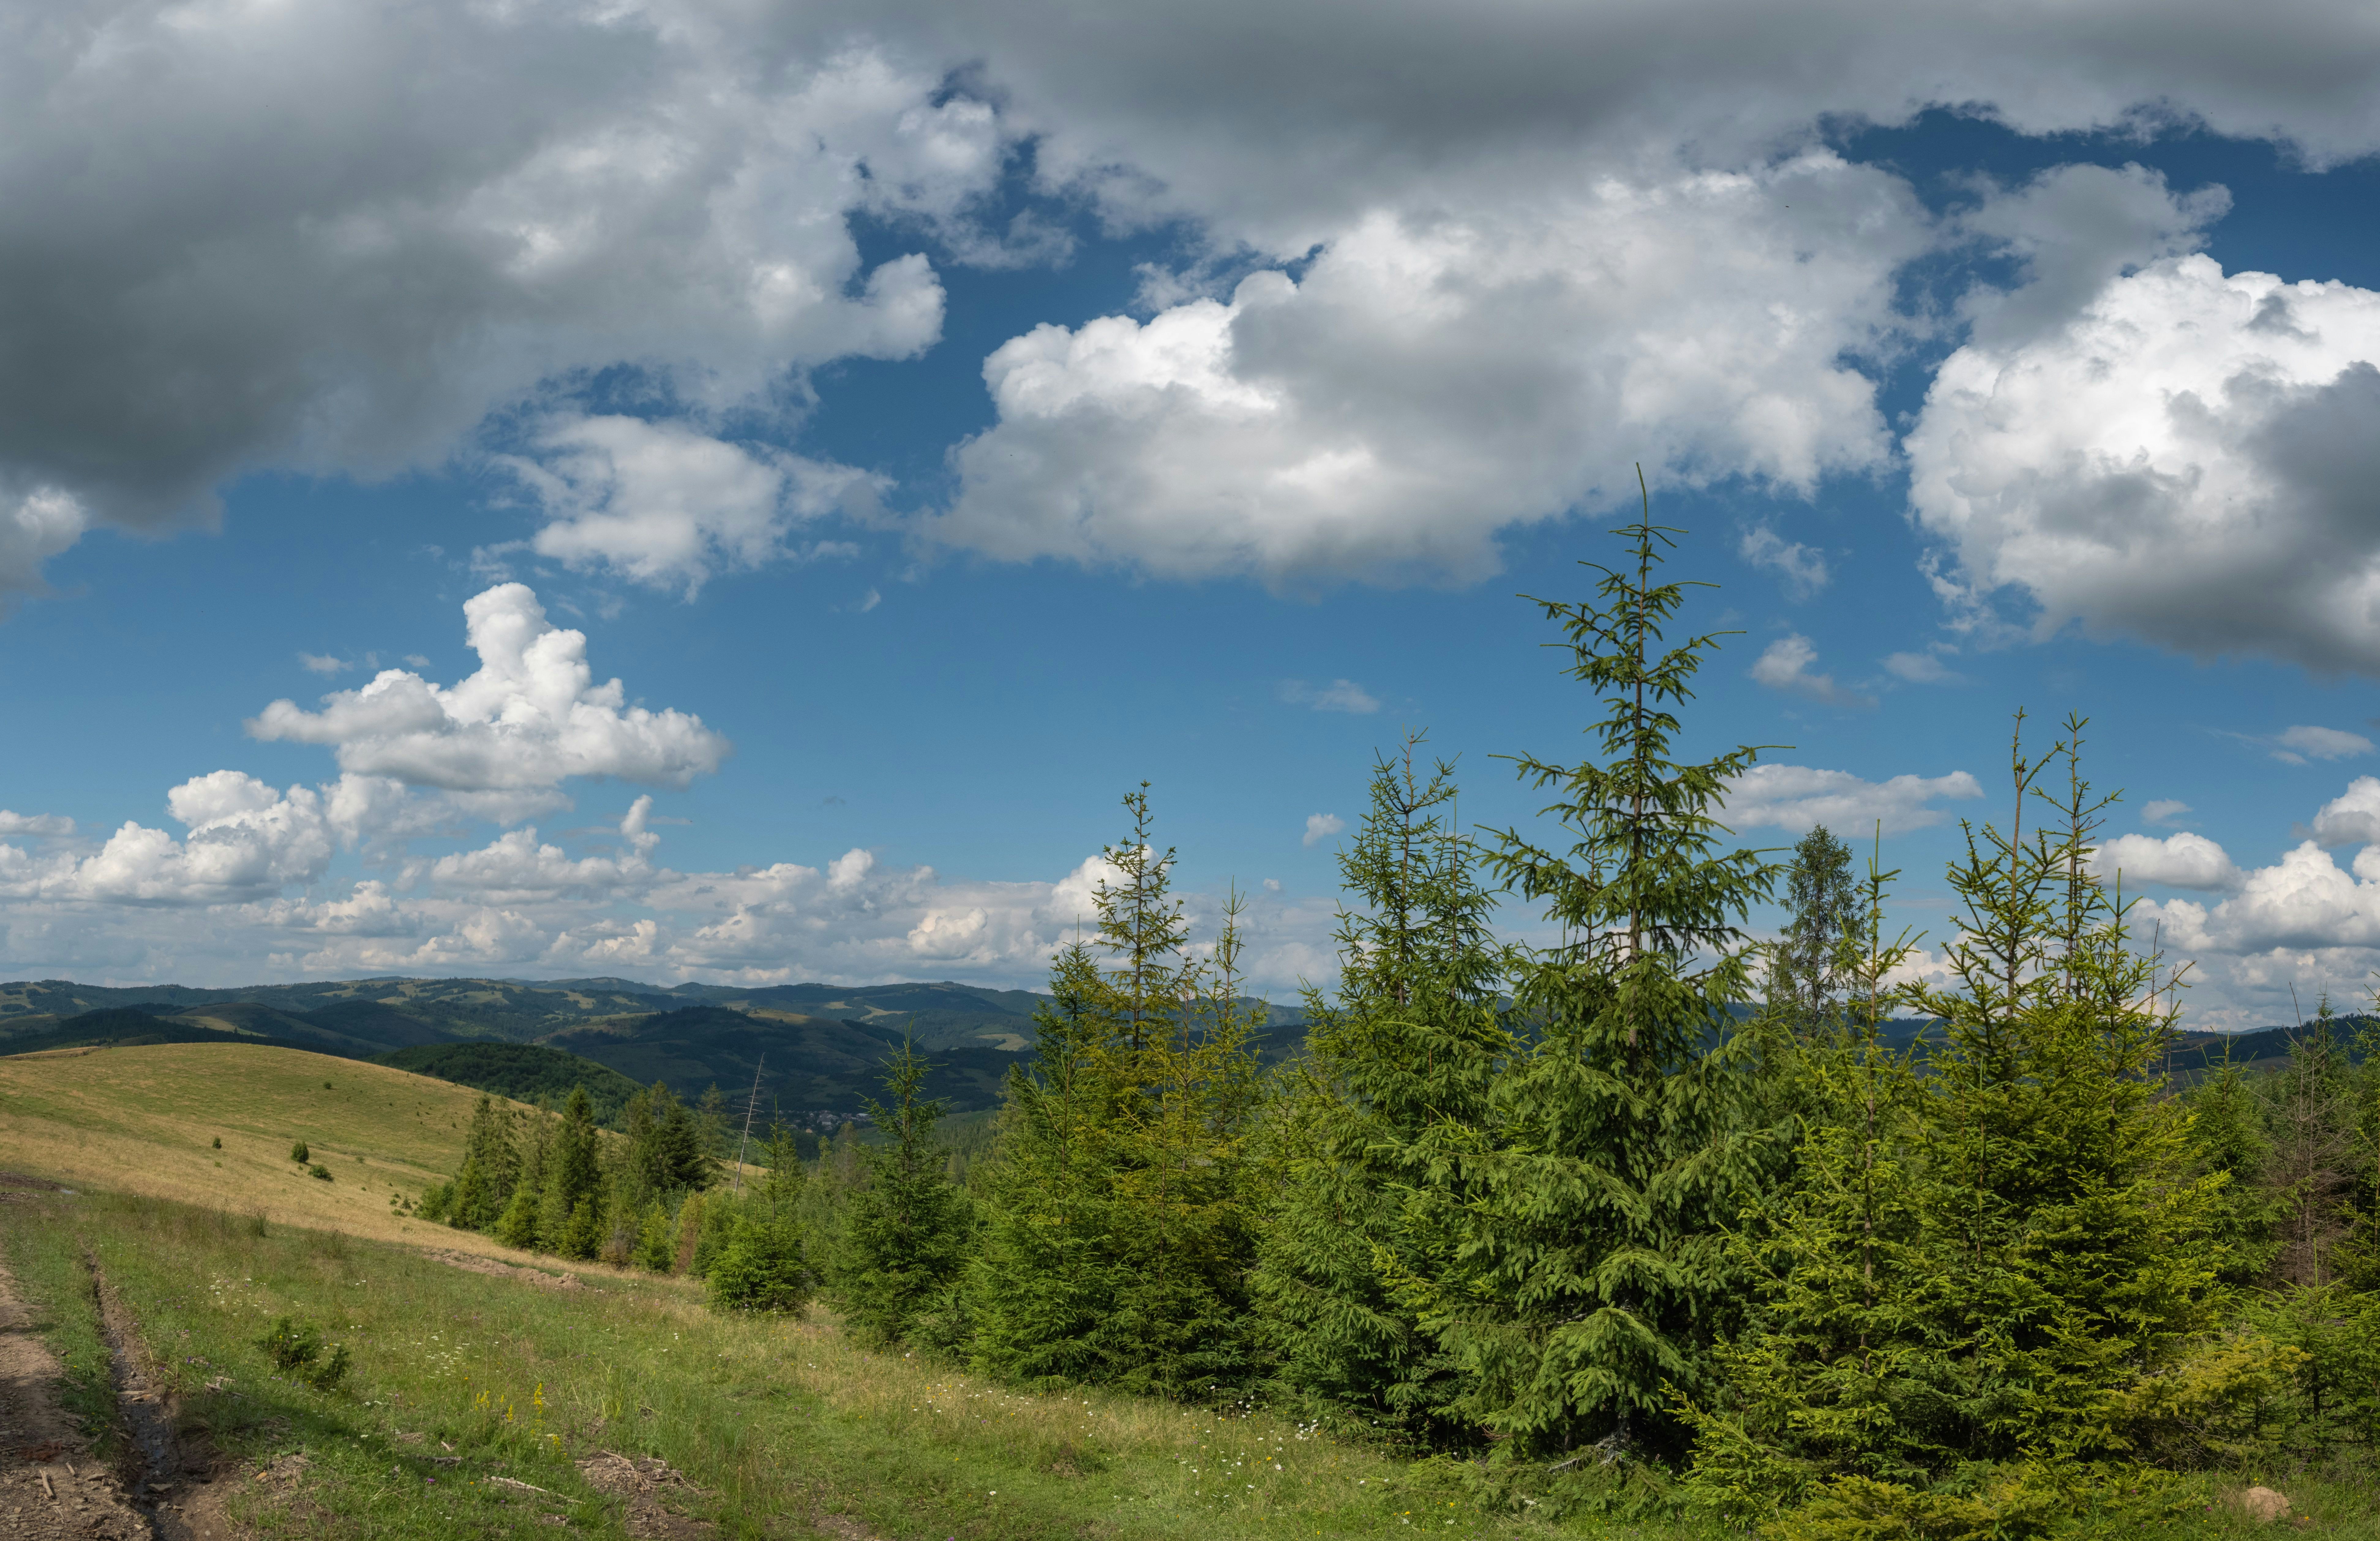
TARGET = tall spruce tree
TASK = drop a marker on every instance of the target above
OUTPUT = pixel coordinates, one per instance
(491, 1167)
(1588, 1270)
(570, 1216)
(2039, 1250)
(905, 1234)
(1807, 963)
(1414, 1035)
(1120, 1230)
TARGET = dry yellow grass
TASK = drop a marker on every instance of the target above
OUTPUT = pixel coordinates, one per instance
(143, 1120)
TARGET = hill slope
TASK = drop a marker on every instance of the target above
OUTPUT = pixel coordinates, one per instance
(141, 1120)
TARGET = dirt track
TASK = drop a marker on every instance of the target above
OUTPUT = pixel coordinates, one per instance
(50, 1486)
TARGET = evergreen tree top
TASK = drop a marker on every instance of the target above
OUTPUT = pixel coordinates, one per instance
(1639, 877)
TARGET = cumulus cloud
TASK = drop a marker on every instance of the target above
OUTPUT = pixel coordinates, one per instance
(531, 716)
(1320, 827)
(2185, 457)
(1433, 377)
(2163, 810)
(244, 840)
(666, 504)
(670, 184)
(1794, 797)
(1801, 568)
(2352, 818)
(554, 190)
(2178, 861)
(36, 826)
(1338, 695)
(1784, 665)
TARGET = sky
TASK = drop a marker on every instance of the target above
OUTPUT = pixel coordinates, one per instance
(703, 489)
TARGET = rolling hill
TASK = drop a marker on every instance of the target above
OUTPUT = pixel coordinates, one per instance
(142, 1119)
(819, 1049)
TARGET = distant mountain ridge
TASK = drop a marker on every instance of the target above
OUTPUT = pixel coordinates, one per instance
(817, 1050)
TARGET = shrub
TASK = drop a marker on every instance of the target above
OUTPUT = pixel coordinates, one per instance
(761, 1268)
(299, 1154)
(517, 1225)
(218, 1142)
(297, 1351)
(321, 1172)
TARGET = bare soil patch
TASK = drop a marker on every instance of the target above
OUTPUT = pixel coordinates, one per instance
(638, 1482)
(473, 1263)
(51, 1487)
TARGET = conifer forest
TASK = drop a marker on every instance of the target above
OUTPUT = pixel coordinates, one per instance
(1650, 1219)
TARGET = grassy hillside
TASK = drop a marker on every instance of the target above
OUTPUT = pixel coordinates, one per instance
(143, 1120)
(465, 1388)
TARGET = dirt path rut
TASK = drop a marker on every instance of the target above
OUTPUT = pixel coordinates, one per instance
(51, 1487)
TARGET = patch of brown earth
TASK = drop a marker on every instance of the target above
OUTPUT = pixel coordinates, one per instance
(472, 1263)
(639, 1482)
(173, 1472)
(50, 1488)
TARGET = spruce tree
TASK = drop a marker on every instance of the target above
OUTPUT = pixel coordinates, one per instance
(2312, 1166)
(1806, 964)
(1414, 1034)
(569, 1213)
(1587, 1270)
(517, 1225)
(1045, 1279)
(491, 1167)
(905, 1234)
(2040, 1256)
(1120, 1231)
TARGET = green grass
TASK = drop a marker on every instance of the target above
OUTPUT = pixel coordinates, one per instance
(47, 1261)
(784, 1422)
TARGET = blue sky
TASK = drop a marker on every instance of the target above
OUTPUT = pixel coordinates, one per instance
(940, 423)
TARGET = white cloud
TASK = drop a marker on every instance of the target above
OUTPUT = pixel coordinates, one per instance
(531, 717)
(2301, 744)
(1438, 374)
(1338, 695)
(2304, 921)
(34, 526)
(664, 184)
(1921, 669)
(2172, 453)
(670, 184)
(2352, 818)
(666, 504)
(1794, 797)
(2163, 810)
(36, 826)
(321, 663)
(2177, 861)
(1802, 567)
(1320, 827)
(1784, 665)
(245, 840)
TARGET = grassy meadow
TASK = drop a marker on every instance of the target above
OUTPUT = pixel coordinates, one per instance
(144, 1120)
(473, 1396)
(784, 1427)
